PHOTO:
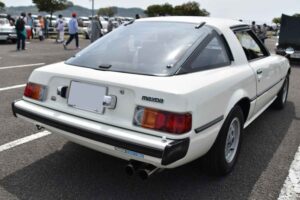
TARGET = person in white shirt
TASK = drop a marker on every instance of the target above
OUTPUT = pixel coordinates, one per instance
(60, 27)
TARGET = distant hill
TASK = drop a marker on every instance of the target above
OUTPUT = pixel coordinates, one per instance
(81, 11)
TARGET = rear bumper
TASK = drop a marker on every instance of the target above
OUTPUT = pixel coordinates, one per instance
(8, 36)
(122, 143)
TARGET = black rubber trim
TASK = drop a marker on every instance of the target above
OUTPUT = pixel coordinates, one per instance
(175, 151)
(210, 124)
(150, 151)
(266, 90)
(13, 108)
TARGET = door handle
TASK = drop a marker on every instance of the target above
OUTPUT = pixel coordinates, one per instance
(259, 71)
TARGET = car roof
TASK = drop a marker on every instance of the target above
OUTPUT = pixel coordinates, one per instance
(216, 22)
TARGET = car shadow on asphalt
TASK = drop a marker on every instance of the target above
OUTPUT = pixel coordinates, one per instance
(75, 172)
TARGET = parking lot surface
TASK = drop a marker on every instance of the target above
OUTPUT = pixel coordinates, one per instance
(53, 168)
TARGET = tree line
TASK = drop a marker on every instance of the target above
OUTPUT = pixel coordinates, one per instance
(277, 20)
(2, 6)
(191, 8)
(187, 9)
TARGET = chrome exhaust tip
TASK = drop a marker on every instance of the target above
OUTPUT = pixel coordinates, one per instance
(146, 172)
(132, 167)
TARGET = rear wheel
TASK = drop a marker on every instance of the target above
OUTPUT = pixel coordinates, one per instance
(281, 99)
(223, 155)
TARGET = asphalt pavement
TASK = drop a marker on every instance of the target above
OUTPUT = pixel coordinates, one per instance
(53, 168)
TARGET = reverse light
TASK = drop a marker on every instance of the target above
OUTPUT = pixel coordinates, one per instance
(35, 91)
(175, 123)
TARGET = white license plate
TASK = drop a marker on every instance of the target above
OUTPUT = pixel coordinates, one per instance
(87, 97)
(295, 55)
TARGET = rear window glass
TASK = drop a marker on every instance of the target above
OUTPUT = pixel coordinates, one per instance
(151, 48)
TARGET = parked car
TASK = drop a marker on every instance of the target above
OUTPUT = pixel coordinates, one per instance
(288, 36)
(168, 91)
(7, 32)
(84, 21)
(2, 15)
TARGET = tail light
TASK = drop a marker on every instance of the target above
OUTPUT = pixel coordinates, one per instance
(175, 123)
(35, 91)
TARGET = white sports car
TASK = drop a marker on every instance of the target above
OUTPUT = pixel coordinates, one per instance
(160, 92)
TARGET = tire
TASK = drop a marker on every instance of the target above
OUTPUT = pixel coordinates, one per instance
(282, 95)
(14, 41)
(87, 36)
(221, 161)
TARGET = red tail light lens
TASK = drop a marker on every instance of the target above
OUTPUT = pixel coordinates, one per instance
(175, 123)
(35, 91)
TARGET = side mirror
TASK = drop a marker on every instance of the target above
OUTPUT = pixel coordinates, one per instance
(290, 51)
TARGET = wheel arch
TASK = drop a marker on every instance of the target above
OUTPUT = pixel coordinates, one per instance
(241, 99)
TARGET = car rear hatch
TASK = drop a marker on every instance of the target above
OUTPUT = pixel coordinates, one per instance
(289, 32)
(130, 91)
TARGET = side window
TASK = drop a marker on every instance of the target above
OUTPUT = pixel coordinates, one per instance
(252, 48)
(213, 55)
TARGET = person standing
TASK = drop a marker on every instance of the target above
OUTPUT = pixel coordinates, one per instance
(253, 27)
(264, 30)
(46, 27)
(30, 22)
(73, 31)
(110, 25)
(42, 27)
(60, 27)
(21, 32)
(96, 29)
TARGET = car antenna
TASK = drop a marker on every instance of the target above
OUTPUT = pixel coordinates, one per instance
(200, 25)
(129, 23)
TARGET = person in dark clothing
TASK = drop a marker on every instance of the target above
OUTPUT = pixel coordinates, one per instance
(137, 16)
(11, 20)
(21, 32)
(46, 27)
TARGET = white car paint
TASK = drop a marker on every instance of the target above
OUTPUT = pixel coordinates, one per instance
(207, 95)
(6, 30)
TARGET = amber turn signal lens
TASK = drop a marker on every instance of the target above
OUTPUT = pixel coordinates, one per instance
(35, 91)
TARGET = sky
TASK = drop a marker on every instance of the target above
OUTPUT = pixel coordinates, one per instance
(248, 10)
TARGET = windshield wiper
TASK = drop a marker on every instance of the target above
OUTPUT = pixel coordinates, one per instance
(131, 22)
(104, 66)
(200, 25)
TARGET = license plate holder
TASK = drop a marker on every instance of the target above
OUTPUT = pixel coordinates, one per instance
(87, 97)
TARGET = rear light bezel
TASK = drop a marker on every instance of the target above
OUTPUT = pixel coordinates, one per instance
(35, 91)
(138, 120)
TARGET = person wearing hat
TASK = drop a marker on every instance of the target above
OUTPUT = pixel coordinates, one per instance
(73, 31)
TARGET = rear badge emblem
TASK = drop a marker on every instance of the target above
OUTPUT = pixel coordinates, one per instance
(153, 99)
